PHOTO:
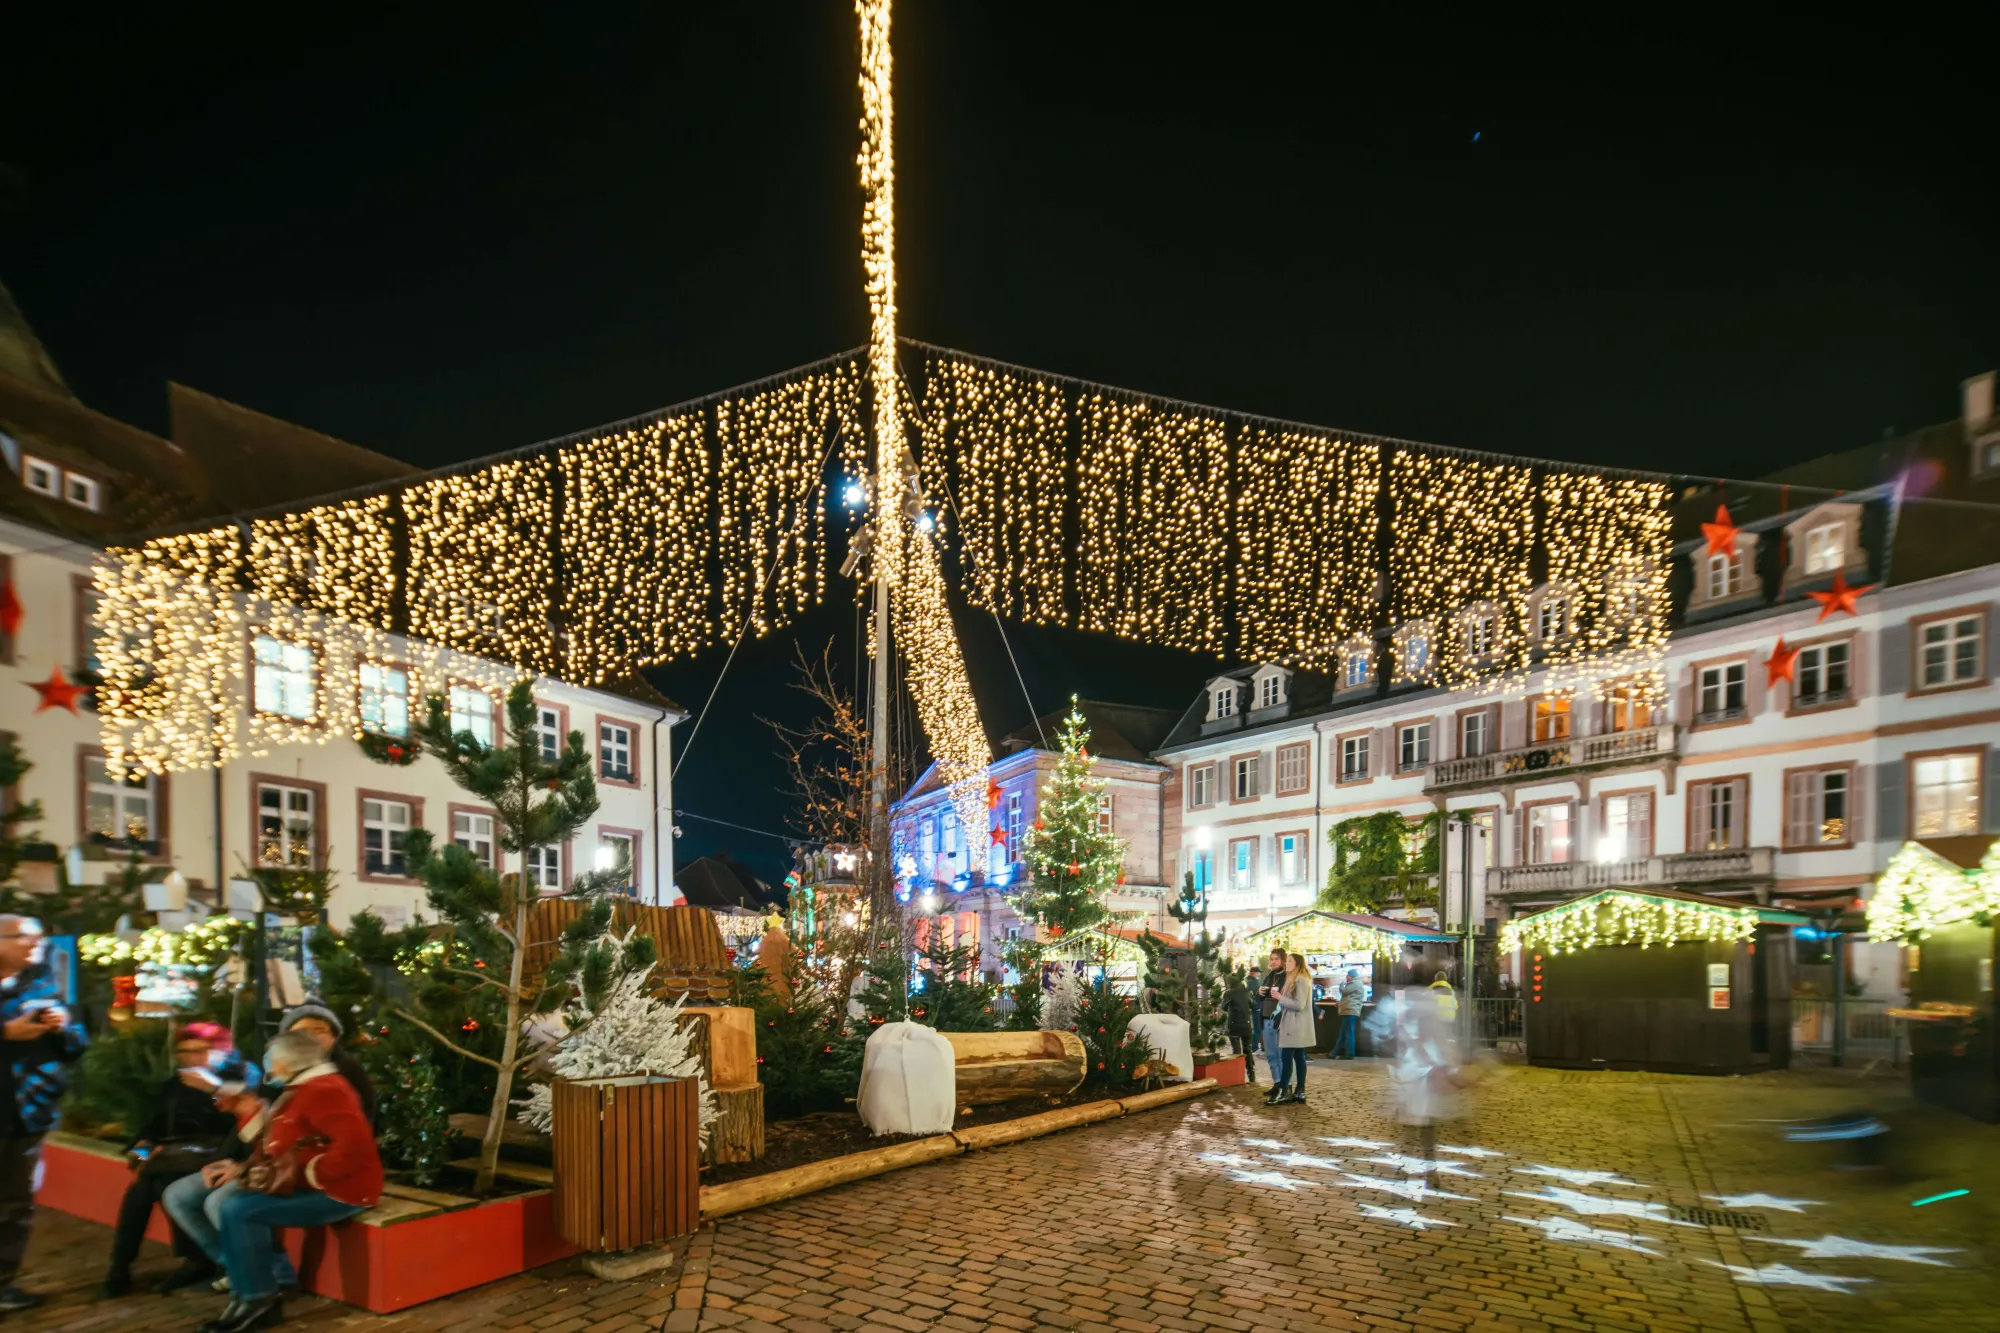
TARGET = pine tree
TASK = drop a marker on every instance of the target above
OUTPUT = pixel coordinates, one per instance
(413, 1114)
(1025, 957)
(1112, 1054)
(483, 973)
(1073, 864)
(1194, 991)
(13, 814)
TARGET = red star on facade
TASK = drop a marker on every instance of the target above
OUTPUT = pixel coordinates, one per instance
(1839, 597)
(1782, 664)
(992, 794)
(999, 834)
(1721, 534)
(57, 691)
(10, 609)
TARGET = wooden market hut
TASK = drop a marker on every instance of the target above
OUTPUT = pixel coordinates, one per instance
(1399, 953)
(1657, 979)
(1931, 899)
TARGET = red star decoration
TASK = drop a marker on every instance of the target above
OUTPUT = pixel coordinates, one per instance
(1721, 534)
(1037, 825)
(999, 834)
(1782, 664)
(1839, 597)
(992, 795)
(1083, 753)
(1075, 868)
(56, 691)
(1121, 877)
(10, 609)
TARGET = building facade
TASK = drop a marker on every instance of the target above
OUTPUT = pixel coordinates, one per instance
(72, 481)
(1756, 774)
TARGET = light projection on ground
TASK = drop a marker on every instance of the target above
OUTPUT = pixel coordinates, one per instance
(1592, 1205)
(1565, 1228)
(1569, 1177)
(1275, 1178)
(1357, 1143)
(1763, 1201)
(1225, 1158)
(1784, 1275)
(1306, 1159)
(1421, 1166)
(1840, 1247)
(1265, 1143)
(1469, 1152)
(1413, 1190)
(1406, 1217)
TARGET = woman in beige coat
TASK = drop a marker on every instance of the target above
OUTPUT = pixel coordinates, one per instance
(1295, 1031)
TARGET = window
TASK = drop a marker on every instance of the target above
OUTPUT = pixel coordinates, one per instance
(1548, 840)
(1826, 548)
(1413, 746)
(544, 868)
(1413, 660)
(474, 831)
(385, 699)
(1242, 863)
(1294, 768)
(40, 476)
(1225, 701)
(1548, 718)
(615, 850)
(1104, 813)
(1822, 675)
(1475, 734)
(120, 810)
(1354, 758)
(1944, 792)
(1628, 828)
(549, 733)
(1718, 815)
(384, 826)
(287, 679)
(1201, 864)
(1014, 827)
(1816, 808)
(1355, 668)
(1627, 708)
(1552, 619)
(1481, 633)
(287, 825)
(927, 849)
(1725, 575)
(1271, 691)
(472, 711)
(1949, 651)
(89, 601)
(82, 491)
(1249, 778)
(1291, 858)
(951, 834)
(1201, 785)
(614, 752)
(1721, 694)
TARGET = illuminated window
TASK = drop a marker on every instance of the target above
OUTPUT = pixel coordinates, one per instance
(287, 825)
(1718, 813)
(1201, 864)
(472, 711)
(1481, 634)
(1413, 746)
(1291, 859)
(1822, 672)
(614, 851)
(1722, 692)
(1548, 718)
(286, 679)
(1816, 808)
(1475, 734)
(1014, 827)
(1548, 828)
(121, 811)
(1626, 708)
(384, 826)
(1355, 669)
(1725, 574)
(614, 752)
(1951, 650)
(1249, 777)
(1242, 863)
(1628, 828)
(1353, 758)
(1552, 619)
(385, 699)
(474, 832)
(1945, 794)
(1415, 662)
(1826, 548)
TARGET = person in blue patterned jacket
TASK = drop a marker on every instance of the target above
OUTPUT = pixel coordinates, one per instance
(42, 1041)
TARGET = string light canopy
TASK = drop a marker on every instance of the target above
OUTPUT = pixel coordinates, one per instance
(1618, 917)
(1919, 892)
(1325, 932)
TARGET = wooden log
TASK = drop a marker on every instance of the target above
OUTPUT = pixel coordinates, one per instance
(1004, 1066)
(732, 1043)
(1180, 1092)
(1034, 1126)
(737, 1133)
(736, 1196)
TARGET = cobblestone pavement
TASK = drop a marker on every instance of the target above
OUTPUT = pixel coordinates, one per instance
(1222, 1214)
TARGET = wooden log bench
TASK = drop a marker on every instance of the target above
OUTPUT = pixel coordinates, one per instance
(1004, 1066)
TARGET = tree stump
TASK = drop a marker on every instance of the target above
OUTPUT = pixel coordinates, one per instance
(737, 1133)
(1003, 1066)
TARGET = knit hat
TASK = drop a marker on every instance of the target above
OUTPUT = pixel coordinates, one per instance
(312, 1008)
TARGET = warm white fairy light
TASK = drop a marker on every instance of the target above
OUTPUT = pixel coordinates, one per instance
(1613, 918)
(936, 669)
(1305, 544)
(1608, 542)
(877, 163)
(1919, 892)
(336, 558)
(1462, 532)
(482, 561)
(1314, 933)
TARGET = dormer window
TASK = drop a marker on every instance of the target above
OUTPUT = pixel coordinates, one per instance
(1479, 634)
(1725, 575)
(82, 491)
(1826, 548)
(1225, 701)
(1270, 691)
(1552, 618)
(41, 476)
(1413, 652)
(1357, 667)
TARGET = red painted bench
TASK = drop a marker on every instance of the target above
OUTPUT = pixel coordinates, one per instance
(406, 1250)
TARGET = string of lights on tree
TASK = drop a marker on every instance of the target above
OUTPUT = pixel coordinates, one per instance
(1613, 918)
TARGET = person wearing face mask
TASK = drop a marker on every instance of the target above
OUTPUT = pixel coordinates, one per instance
(184, 1132)
(41, 1043)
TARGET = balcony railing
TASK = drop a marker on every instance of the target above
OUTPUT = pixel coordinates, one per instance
(1548, 758)
(1742, 863)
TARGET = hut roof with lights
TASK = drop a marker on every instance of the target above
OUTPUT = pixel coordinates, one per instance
(1345, 932)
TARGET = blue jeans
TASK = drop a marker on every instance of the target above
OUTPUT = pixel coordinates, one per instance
(1272, 1060)
(244, 1221)
(1295, 1059)
(196, 1209)
(1343, 1045)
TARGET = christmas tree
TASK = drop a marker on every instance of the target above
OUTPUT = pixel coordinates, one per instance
(1194, 991)
(1074, 865)
(1025, 957)
(415, 1120)
(13, 813)
(1112, 1053)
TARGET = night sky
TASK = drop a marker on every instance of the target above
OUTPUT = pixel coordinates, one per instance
(1712, 249)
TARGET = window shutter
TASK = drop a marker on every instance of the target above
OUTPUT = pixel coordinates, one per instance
(1642, 817)
(1992, 790)
(1893, 658)
(1798, 813)
(1857, 781)
(1698, 822)
(1889, 799)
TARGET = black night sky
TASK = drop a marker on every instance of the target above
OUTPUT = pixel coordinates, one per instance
(1705, 246)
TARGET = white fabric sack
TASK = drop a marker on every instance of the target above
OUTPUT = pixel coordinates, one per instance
(909, 1081)
(1167, 1034)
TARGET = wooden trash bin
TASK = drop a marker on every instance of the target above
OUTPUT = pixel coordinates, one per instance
(627, 1160)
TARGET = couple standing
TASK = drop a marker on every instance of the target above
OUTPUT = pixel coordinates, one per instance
(1285, 1001)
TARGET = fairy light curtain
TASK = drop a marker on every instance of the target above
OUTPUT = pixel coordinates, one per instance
(482, 561)
(1306, 566)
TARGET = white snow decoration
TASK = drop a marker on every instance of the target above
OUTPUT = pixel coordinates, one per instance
(909, 1081)
(1420, 1166)
(1168, 1034)
(1065, 997)
(1277, 1178)
(1413, 1190)
(1305, 1159)
(634, 1033)
(1570, 1177)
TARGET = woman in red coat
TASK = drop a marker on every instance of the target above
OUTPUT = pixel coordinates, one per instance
(316, 1134)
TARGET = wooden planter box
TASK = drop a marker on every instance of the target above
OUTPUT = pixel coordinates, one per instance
(1227, 1072)
(413, 1246)
(627, 1160)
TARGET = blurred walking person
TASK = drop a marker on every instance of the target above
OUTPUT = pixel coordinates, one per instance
(41, 1044)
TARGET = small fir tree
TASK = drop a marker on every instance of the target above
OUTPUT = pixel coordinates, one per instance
(413, 1118)
(13, 814)
(1025, 957)
(1192, 989)
(1112, 1052)
(806, 1059)
(1073, 864)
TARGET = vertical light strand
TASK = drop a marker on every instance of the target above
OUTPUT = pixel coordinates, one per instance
(946, 708)
(1305, 544)
(877, 163)
(1462, 534)
(1609, 544)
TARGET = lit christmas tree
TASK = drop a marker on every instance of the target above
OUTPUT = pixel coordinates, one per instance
(1074, 865)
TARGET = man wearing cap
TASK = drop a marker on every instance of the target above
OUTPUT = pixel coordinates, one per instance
(38, 1044)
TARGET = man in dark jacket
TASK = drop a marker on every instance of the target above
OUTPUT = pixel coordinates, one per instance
(41, 1044)
(1267, 994)
(1237, 1007)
